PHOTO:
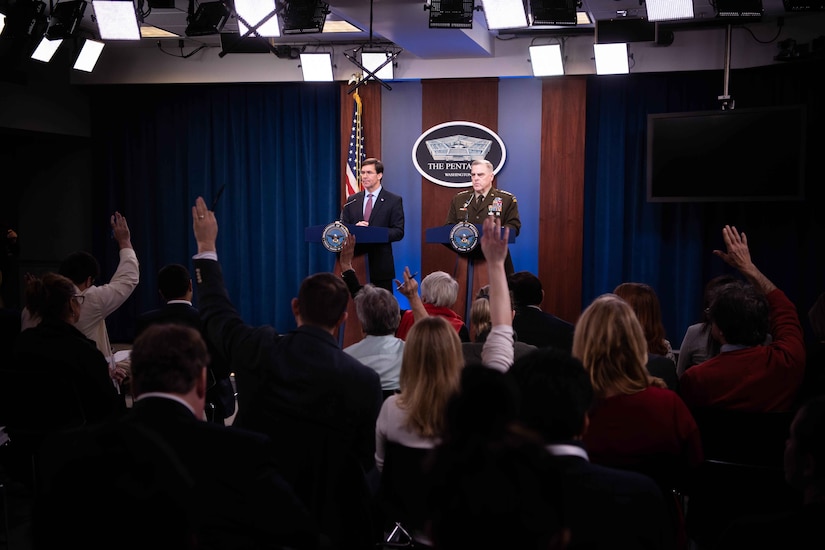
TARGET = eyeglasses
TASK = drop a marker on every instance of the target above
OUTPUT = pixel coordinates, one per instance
(79, 299)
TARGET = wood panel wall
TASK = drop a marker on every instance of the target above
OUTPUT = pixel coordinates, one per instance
(448, 100)
(561, 206)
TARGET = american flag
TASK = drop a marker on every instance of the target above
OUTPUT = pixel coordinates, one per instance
(356, 154)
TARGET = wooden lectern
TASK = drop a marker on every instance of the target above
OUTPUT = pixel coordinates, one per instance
(470, 268)
(351, 332)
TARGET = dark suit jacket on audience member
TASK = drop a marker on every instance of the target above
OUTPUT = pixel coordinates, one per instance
(612, 508)
(316, 401)
(220, 392)
(388, 211)
(542, 329)
(59, 345)
(238, 496)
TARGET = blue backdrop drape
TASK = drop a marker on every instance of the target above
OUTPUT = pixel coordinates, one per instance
(669, 245)
(274, 147)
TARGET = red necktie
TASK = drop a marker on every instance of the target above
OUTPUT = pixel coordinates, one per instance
(368, 208)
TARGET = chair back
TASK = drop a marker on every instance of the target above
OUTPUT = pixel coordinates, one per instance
(755, 438)
(403, 488)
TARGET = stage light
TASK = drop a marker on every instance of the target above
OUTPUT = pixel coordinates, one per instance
(317, 67)
(611, 58)
(668, 10)
(251, 12)
(746, 9)
(372, 60)
(89, 54)
(24, 18)
(546, 60)
(65, 18)
(554, 12)
(504, 14)
(209, 18)
(46, 49)
(116, 19)
(450, 14)
(305, 16)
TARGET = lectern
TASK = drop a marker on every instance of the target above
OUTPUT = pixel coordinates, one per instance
(363, 235)
(467, 267)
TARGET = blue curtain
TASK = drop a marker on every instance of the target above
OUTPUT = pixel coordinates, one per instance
(275, 148)
(669, 245)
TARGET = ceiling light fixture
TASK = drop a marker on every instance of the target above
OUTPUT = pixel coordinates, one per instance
(116, 19)
(317, 67)
(88, 56)
(260, 15)
(554, 12)
(305, 16)
(504, 14)
(668, 10)
(208, 19)
(65, 18)
(611, 58)
(379, 64)
(46, 49)
(546, 60)
(450, 14)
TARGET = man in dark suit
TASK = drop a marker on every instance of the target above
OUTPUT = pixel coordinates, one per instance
(532, 325)
(162, 474)
(301, 389)
(376, 207)
(473, 205)
(604, 507)
(175, 288)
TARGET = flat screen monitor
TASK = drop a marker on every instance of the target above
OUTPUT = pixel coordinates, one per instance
(733, 155)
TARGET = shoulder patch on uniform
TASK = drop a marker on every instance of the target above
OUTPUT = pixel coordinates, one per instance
(503, 192)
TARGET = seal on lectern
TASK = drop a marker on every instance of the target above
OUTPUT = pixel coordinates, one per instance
(464, 237)
(334, 235)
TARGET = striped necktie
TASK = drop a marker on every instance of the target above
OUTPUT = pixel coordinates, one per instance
(368, 208)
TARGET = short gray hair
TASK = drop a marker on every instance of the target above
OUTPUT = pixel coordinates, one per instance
(377, 310)
(485, 162)
(439, 289)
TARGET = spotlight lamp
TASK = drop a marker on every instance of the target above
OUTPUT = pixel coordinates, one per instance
(209, 18)
(65, 18)
(116, 19)
(89, 54)
(24, 18)
(450, 14)
(546, 60)
(317, 67)
(305, 16)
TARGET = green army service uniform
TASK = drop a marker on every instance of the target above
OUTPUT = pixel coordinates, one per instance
(497, 203)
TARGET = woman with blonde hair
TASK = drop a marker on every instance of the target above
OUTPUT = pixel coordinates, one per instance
(430, 374)
(635, 423)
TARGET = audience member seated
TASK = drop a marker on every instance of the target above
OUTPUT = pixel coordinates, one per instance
(56, 344)
(100, 301)
(813, 384)
(379, 315)
(532, 325)
(748, 375)
(481, 324)
(635, 422)
(300, 388)
(603, 507)
(430, 374)
(439, 291)
(645, 303)
(491, 482)
(221, 482)
(175, 289)
(797, 527)
(698, 344)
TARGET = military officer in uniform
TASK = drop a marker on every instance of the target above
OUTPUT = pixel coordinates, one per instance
(473, 205)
